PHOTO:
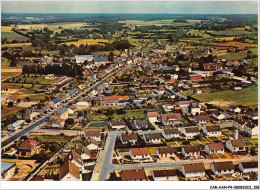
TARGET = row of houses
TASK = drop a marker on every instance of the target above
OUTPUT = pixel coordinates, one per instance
(193, 170)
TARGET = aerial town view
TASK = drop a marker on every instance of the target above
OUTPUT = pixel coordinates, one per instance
(121, 95)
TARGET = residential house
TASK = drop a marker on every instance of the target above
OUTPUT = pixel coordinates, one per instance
(58, 123)
(251, 129)
(129, 138)
(218, 115)
(118, 124)
(73, 92)
(85, 153)
(195, 109)
(201, 119)
(194, 77)
(7, 170)
(195, 90)
(133, 175)
(139, 153)
(69, 172)
(165, 152)
(62, 113)
(170, 133)
(140, 124)
(247, 167)
(184, 104)
(91, 144)
(100, 61)
(213, 130)
(164, 175)
(95, 134)
(191, 132)
(220, 168)
(154, 138)
(153, 116)
(49, 76)
(191, 151)
(13, 98)
(168, 107)
(239, 123)
(234, 109)
(160, 90)
(214, 148)
(72, 109)
(60, 80)
(171, 119)
(170, 95)
(28, 147)
(236, 146)
(193, 170)
(75, 158)
(251, 114)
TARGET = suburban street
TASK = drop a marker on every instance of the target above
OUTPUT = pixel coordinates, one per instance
(32, 126)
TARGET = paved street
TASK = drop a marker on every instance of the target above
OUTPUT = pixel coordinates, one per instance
(15, 136)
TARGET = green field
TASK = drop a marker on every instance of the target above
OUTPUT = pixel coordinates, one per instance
(230, 32)
(247, 96)
(39, 80)
(94, 125)
(12, 36)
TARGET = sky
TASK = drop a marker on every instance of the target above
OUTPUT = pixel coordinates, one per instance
(173, 7)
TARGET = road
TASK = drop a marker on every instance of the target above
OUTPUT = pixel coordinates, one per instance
(6, 142)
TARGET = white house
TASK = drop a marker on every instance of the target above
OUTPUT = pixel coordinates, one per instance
(165, 152)
(72, 109)
(153, 116)
(170, 133)
(235, 146)
(184, 104)
(15, 125)
(164, 175)
(251, 129)
(195, 109)
(219, 168)
(139, 153)
(171, 119)
(75, 158)
(129, 138)
(154, 138)
(119, 124)
(234, 109)
(201, 119)
(191, 151)
(193, 170)
(213, 130)
(85, 153)
(251, 114)
(174, 77)
(140, 124)
(58, 123)
(168, 107)
(214, 148)
(95, 134)
(69, 172)
(218, 115)
(247, 167)
(191, 132)
(91, 144)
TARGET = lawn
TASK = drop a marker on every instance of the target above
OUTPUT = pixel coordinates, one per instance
(247, 96)
(31, 79)
(89, 42)
(12, 36)
(130, 114)
(97, 125)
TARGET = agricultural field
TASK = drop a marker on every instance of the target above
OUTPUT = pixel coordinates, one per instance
(89, 42)
(230, 32)
(97, 125)
(12, 36)
(247, 96)
(60, 139)
(24, 79)
(5, 111)
(17, 45)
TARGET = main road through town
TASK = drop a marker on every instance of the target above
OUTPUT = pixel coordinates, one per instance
(32, 126)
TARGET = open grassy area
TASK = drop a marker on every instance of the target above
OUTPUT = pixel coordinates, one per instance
(9, 110)
(31, 79)
(12, 36)
(17, 45)
(247, 96)
(97, 125)
(89, 42)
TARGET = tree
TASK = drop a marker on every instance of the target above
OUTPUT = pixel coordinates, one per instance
(10, 104)
(13, 63)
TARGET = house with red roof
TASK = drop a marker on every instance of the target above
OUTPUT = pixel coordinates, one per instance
(201, 119)
(139, 153)
(95, 134)
(69, 172)
(214, 148)
(28, 147)
(13, 98)
(171, 119)
(72, 109)
(133, 175)
(153, 116)
(75, 158)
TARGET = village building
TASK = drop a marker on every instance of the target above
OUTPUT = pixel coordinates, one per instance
(133, 175)
(165, 152)
(193, 170)
(164, 175)
(139, 153)
(220, 168)
(214, 148)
